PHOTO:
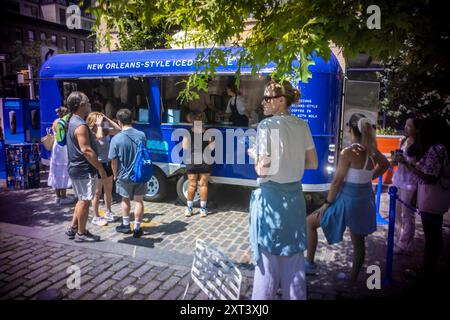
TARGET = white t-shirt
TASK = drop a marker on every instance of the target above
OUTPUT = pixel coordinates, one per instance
(240, 104)
(285, 139)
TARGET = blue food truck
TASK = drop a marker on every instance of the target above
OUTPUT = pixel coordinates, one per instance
(148, 83)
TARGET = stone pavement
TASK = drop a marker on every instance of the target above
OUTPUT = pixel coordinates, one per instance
(34, 252)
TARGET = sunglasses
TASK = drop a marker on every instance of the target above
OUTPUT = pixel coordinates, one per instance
(268, 98)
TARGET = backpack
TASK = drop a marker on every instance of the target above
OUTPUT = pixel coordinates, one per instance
(142, 166)
(61, 128)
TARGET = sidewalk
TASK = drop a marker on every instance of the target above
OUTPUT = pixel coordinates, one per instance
(35, 253)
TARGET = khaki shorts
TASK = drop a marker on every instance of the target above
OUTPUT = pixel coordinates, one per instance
(85, 188)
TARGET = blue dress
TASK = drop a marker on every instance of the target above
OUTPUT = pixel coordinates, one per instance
(354, 207)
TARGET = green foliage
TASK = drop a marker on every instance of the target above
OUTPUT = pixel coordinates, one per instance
(388, 131)
(284, 30)
(23, 54)
(416, 80)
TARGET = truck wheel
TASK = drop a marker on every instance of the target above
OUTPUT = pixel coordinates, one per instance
(182, 189)
(157, 186)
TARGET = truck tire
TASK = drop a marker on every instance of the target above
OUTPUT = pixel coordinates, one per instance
(182, 187)
(157, 186)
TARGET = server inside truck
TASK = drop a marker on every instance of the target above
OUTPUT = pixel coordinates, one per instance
(215, 102)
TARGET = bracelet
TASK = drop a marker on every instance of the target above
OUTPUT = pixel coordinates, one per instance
(327, 202)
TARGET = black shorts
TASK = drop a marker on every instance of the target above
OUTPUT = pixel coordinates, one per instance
(198, 168)
(108, 169)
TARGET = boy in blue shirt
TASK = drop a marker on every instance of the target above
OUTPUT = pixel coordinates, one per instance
(122, 153)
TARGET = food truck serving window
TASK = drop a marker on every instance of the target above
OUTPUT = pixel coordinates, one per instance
(110, 95)
(214, 102)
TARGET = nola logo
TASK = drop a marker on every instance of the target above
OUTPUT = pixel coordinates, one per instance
(158, 146)
(147, 161)
(73, 17)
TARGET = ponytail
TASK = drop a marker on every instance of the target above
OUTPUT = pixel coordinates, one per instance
(368, 136)
(74, 101)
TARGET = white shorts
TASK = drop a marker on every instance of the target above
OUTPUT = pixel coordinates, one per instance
(85, 188)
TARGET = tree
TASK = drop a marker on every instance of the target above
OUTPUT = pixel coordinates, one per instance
(416, 80)
(284, 30)
(134, 35)
(24, 54)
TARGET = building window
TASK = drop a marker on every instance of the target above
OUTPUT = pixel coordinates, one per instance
(82, 46)
(62, 16)
(43, 36)
(31, 11)
(64, 43)
(73, 44)
(19, 34)
(90, 46)
(54, 39)
(31, 35)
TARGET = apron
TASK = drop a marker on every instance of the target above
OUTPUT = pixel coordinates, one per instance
(236, 118)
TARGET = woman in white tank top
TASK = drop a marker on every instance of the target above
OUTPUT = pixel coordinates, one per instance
(350, 201)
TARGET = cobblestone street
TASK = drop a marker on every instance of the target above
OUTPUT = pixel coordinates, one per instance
(35, 253)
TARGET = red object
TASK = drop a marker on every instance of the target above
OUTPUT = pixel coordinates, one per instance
(386, 144)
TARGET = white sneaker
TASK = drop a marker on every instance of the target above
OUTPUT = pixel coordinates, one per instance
(188, 212)
(110, 217)
(99, 221)
(203, 212)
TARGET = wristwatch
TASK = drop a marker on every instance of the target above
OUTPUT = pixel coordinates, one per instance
(327, 202)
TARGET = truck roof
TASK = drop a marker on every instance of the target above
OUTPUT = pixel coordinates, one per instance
(161, 62)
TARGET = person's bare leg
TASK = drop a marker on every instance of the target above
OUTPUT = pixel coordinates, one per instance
(126, 207)
(96, 200)
(192, 186)
(139, 208)
(58, 193)
(312, 224)
(204, 178)
(83, 213)
(359, 253)
(63, 193)
(107, 188)
(74, 223)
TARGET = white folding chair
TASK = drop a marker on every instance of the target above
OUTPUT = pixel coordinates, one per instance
(214, 273)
